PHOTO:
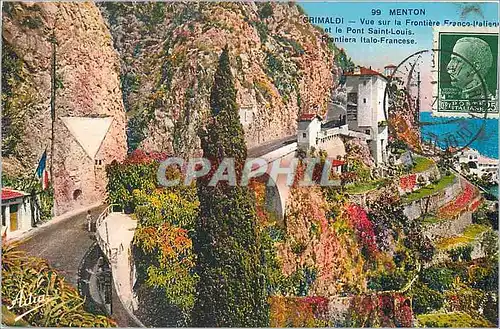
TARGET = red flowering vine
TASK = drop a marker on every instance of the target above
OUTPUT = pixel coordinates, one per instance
(388, 309)
(461, 202)
(142, 157)
(407, 183)
(475, 204)
(363, 227)
(403, 314)
(318, 304)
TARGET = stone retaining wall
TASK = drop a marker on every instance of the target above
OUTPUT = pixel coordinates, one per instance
(448, 228)
(340, 307)
(442, 255)
(362, 198)
(416, 208)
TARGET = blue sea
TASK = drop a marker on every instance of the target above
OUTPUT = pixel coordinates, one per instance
(487, 144)
(494, 190)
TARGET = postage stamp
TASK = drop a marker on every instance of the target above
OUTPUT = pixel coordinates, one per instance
(466, 66)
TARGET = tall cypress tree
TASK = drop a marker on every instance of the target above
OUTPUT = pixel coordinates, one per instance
(231, 290)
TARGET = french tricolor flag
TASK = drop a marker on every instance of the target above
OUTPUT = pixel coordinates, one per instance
(41, 171)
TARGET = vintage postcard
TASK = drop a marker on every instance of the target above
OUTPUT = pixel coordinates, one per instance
(250, 164)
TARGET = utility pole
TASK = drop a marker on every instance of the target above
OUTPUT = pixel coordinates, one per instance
(417, 108)
(53, 109)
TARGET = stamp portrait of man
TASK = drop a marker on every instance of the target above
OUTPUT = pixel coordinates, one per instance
(468, 75)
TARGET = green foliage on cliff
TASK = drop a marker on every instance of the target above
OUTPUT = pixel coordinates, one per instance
(283, 74)
(16, 99)
(151, 14)
(266, 10)
(124, 178)
(262, 31)
(231, 289)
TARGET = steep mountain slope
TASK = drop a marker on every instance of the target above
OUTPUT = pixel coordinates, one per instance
(87, 85)
(168, 54)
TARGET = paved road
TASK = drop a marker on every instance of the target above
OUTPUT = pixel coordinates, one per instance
(63, 245)
(260, 150)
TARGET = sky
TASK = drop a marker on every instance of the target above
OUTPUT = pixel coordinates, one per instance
(378, 56)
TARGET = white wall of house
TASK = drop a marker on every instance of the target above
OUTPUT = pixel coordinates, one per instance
(307, 133)
(247, 114)
(468, 155)
(370, 90)
(483, 165)
(23, 206)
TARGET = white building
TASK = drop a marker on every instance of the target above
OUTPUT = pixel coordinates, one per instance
(389, 70)
(16, 212)
(478, 164)
(248, 113)
(309, 126)
(365, 109)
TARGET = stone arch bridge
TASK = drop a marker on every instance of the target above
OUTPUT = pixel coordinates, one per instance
(282, 152)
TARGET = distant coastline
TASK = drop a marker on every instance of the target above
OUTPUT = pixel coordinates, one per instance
(487, 146)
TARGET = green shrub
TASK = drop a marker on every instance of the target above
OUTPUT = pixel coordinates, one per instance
(266, 10)
(299, 282)
(461, 253)
(124, 178)
(425, 299)
(59, 304)
(489, 244)
(491, 308)
(389, 281)
(276, 234)
(438, 278)
(454, 319)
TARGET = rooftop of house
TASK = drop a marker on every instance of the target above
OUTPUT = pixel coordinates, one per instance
(310, 117)
(465, 150)
(485, 160)
(363, 71)
(336, 163)
(9, 194)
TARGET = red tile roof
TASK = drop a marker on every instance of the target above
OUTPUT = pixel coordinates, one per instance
(309, 117)
(364, 71)
(8, 194)
(336, 163)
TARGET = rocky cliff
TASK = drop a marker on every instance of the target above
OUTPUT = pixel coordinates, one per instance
(148, 67)
(168, 57)
(90, 123)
